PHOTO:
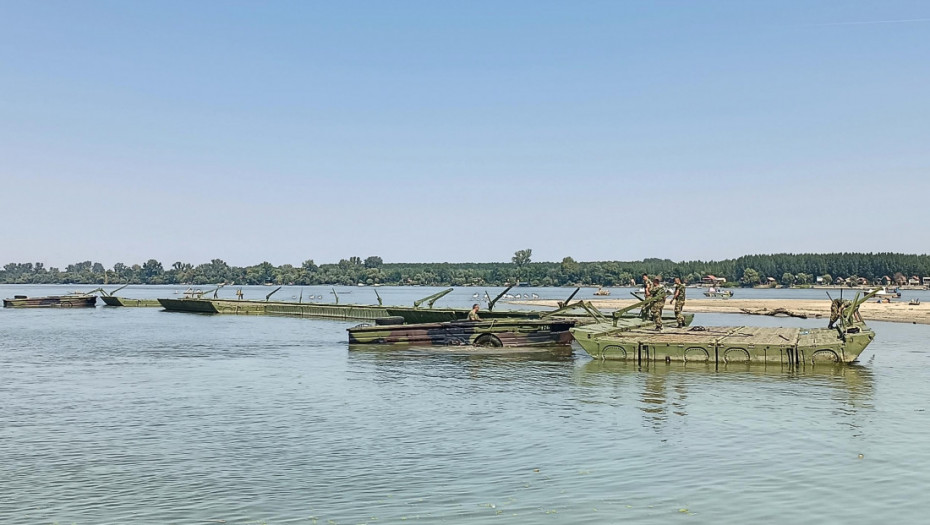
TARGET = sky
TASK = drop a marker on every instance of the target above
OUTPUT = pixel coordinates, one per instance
(461, 131)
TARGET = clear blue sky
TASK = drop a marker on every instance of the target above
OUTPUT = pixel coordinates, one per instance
(461, 131)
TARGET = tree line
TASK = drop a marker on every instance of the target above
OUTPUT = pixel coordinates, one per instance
(786, 269)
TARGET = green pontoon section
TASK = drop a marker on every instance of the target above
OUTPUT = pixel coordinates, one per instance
(111, 300)
(494, 333)
(411, 314)
(291, 309)
(729, 344)
(52, 301)
(726, 345)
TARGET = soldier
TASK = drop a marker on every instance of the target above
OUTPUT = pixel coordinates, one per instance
(473, 314)
(836, 309)
(679, 300)
(657, 290)
(647, 287)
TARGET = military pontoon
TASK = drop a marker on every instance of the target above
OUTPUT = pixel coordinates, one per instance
(550, 328)
(422, 310)
(487, 332)
(726, 344)
(77, 300)
(110, 299)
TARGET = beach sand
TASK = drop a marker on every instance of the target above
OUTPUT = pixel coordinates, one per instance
(895, 311)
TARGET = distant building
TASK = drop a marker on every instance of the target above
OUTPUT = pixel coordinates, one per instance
(913, 281)
(710, 279)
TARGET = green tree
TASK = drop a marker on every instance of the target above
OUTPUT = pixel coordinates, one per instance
(520, 259)
(750, 277)
(152, 271)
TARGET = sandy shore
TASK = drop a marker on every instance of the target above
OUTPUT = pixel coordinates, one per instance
(895, 311)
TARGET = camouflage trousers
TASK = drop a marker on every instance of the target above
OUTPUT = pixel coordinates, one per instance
(679, 306)
(656, 311)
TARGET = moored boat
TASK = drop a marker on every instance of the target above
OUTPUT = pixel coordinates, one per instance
(112, 300)
(728, 344)
(52, 301)
(884, 294)
(282, 308)
(486, 332)
(725, 294)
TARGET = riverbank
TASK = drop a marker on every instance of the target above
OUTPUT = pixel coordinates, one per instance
(894, 312)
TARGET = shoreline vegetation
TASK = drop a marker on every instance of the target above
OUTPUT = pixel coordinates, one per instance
(776, 270)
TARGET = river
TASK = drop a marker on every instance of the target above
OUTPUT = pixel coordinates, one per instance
(136, 415)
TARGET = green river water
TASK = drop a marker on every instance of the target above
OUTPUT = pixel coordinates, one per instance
(135, 415)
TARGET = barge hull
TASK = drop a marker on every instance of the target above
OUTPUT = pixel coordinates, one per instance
(287, 309)
(51, 302)
(724, 345)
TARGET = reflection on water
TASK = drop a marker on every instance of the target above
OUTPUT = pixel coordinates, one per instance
(661, 390)
(519, 353)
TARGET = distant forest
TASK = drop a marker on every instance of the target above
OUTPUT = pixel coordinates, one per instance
(749, 270)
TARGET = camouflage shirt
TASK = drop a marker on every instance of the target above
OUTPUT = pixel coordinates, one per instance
(658, 290)
(680, 292)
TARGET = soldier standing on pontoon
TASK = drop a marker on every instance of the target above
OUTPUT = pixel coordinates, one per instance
(657, 290)
(836, 309)
(679, 300)
(647, 287)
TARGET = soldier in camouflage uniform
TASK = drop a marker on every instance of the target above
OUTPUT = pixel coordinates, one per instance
(679, 300)
(657, 290)
(836, 309)
(473, 314)
(646, 313)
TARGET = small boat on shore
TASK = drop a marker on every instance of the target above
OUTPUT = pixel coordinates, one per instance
(733, 344)
(884, 294)
(52, 301)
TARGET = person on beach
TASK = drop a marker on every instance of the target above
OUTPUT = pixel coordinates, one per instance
(473, 314)
(657, 290)
(679, 300)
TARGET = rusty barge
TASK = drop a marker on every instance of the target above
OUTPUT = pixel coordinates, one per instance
(52, 301)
